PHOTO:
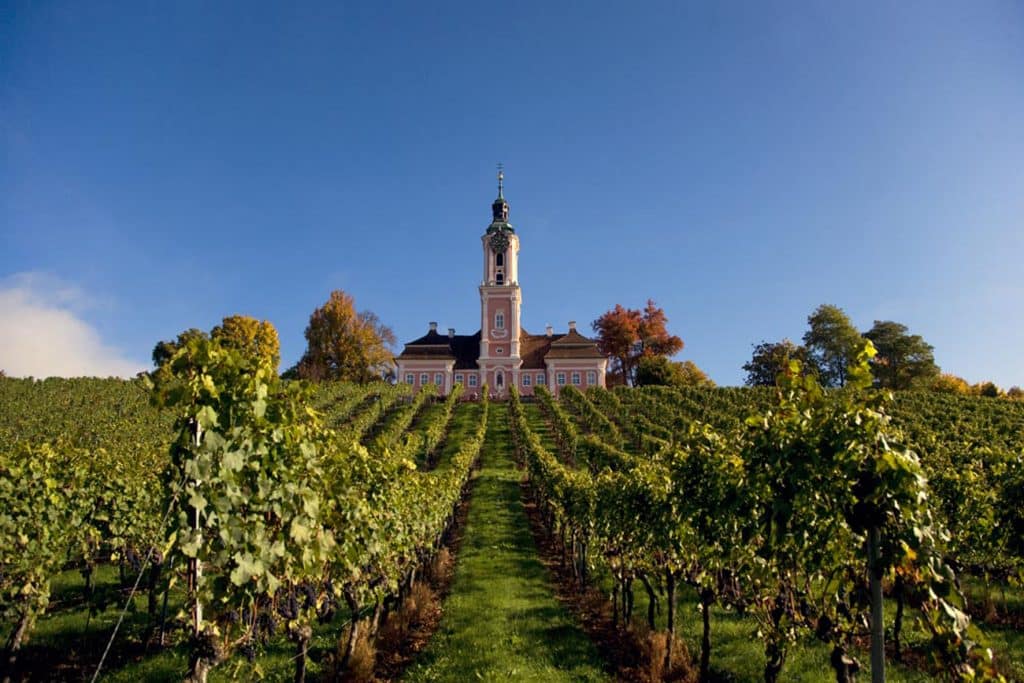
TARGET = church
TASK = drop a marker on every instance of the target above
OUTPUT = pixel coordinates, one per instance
(502, 354)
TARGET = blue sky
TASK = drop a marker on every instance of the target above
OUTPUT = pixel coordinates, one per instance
(167, 164)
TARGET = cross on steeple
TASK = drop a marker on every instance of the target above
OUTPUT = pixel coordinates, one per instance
(501, 180)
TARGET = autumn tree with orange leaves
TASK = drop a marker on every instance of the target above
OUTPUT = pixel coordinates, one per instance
(344, 344)
(626, 335)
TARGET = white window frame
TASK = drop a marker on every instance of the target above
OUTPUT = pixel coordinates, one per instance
(439, 379)
(472, 380)
(459, 378)
(560, 379)
(526, 379)
(592, 377)
(540, 378)
(410, 378)
(577, 378)
(499, 320)
(424, 379)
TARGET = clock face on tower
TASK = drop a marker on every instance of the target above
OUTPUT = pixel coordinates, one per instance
(499, 241)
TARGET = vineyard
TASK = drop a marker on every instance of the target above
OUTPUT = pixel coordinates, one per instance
(216, 521)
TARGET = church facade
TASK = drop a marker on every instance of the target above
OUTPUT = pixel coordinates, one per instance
(501, 354)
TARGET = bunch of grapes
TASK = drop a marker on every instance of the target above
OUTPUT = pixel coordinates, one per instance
(288, 606)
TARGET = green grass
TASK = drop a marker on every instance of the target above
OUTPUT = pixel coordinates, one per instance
(463, 423)
(501, 620)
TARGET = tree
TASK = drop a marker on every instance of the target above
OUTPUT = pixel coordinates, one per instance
(771, 359)
(904, 360)
(1014, 393)
(659, 370)
(163, 350)
(693, 376)
(832, 342)
(249, 335)
(345, 345)
(950, 384)
(625, 335)
(988, 389)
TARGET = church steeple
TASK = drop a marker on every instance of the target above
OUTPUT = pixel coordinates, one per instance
(499, 209)
(500, 297)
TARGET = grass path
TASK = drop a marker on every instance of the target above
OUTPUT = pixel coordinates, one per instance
(501, 620)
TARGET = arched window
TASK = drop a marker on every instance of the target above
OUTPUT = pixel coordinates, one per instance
(499, 321)
(499, 380)
(500, 278)
(499, 258)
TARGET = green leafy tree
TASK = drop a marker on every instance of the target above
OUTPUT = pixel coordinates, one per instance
(771, 359)
(904, 360)
(832, 342)
(345, 345)
(988, 389)
(659, 370)
(249, 335)
(165, 350)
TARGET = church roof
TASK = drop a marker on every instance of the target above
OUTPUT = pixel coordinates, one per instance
(534, 349)
(462, 348)
(573, 345)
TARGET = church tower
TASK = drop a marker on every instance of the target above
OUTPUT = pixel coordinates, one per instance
(500, 299)
(502, 354)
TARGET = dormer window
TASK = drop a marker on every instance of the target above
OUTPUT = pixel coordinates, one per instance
(499, 321)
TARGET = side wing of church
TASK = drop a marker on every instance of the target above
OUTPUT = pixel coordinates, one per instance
(502, 353)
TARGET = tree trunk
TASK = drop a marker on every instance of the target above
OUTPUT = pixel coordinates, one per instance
(627, 616)
(707, 597)
(775, 658)
(652, 602)
(897, 627)
(14, 644)
(154, 594)
(378, 612)
(302, 635)
(86, 572)
(615, 602)
(203, 656)
(583, 564)
(163, 616)
(877, 618)
(353, 633)
(670, 582)
(846, 667)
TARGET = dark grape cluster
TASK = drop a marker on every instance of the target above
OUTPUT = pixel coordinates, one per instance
(288, 606)
(266, 624)
(309, 595)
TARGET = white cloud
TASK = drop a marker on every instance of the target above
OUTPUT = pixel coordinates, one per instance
(42, 333)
